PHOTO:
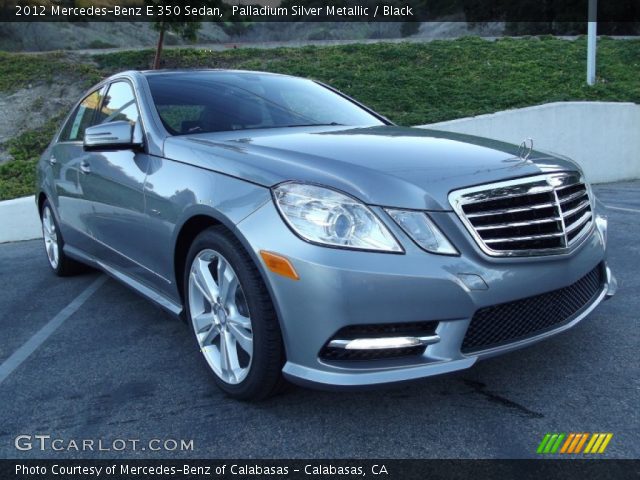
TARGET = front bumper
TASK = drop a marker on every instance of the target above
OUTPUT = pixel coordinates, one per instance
(340, 288)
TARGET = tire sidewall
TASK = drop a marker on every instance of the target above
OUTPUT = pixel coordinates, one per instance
(221, 242)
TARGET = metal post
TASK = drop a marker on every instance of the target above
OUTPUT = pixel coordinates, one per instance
(591, 42)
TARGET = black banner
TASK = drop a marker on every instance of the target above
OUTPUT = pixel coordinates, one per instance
(475, 11)
(320, 469)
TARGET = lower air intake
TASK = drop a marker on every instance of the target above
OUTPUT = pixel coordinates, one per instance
(509, 322)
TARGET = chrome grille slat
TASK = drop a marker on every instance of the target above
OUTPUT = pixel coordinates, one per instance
(523, 239)
(573, 196)
(560, 188)
(539, 215)
(577, 224)
(511, 210)
(579, 233)
(580, 207)
(518, 224)
(532, 191)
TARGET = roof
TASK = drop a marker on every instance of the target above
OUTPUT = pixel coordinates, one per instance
(205, 70)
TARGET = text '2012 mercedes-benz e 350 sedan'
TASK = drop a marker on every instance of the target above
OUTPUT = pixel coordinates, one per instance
(304, 237)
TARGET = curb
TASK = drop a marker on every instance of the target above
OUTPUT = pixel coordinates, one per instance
(19, 219)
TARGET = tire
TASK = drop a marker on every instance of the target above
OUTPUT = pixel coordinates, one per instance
(59, 262)
(224, 323)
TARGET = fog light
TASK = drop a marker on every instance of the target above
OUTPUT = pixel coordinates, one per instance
(383, 342)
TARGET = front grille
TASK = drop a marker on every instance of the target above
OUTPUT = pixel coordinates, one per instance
(539, 215)
(508, 322)
(417, 329)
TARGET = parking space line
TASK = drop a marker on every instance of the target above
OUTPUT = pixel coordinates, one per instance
(20, 355)
(635, 210)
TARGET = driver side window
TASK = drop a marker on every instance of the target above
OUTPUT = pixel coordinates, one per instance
(82, 118)
(119, 104)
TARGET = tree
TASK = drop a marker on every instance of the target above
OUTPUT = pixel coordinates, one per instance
(186, 30)
(172, 20)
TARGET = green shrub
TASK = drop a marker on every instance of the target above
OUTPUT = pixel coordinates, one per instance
(100, 44)
(411, 83)
(17, 176)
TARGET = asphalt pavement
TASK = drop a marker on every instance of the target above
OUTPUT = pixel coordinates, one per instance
(119, 368)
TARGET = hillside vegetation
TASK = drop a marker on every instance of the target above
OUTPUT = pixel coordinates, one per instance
(411, 83)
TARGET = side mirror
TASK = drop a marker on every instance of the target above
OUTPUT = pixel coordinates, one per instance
(111, 136)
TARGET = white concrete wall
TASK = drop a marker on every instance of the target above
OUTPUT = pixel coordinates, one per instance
(603, 137)
(19, 220)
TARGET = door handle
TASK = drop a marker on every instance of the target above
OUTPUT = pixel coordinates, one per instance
(52, 160)
(85, 167)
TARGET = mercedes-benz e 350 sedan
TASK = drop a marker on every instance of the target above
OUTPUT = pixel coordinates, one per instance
(305, 237)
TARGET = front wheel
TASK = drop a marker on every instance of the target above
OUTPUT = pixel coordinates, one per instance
(232, 317)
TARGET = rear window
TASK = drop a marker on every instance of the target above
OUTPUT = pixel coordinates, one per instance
(198, 102)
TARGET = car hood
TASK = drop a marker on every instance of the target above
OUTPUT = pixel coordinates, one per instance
(384, 165)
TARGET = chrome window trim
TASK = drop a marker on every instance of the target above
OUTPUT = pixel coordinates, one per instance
(524, 185)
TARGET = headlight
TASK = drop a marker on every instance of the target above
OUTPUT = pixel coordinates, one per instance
(423, 231)
(324, 216)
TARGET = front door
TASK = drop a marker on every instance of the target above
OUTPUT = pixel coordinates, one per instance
(112, 181)
(65, 158)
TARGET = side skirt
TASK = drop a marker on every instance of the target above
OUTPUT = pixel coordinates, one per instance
(159, 299)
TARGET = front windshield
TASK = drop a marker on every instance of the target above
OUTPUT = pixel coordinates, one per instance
(198, 102)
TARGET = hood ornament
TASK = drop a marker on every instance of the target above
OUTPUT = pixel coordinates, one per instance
(525, 149)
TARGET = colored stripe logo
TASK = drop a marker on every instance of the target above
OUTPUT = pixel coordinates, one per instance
(574, 443)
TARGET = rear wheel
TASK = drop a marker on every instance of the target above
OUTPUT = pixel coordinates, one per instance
(232, 316)
(59, 262)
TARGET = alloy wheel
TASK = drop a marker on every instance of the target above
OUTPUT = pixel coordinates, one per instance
(50, 237)
(220, 316)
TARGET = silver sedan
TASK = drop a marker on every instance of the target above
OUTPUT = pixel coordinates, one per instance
(303, 236)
